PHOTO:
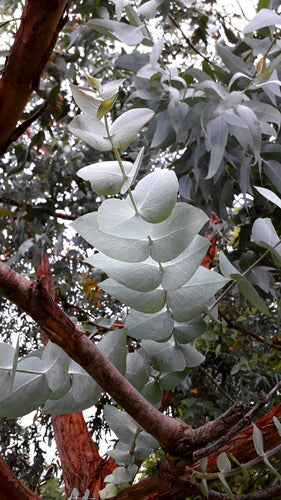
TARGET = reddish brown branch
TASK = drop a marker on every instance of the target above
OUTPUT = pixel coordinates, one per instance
(35, 300)
(214, 382)
(11, 488)
(24, 125)
(40, 25)
(248, 333)
(16, 203)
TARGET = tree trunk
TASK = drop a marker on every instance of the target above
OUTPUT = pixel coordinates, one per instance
(41, 23)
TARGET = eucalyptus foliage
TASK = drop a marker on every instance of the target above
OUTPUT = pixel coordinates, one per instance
(211, 143)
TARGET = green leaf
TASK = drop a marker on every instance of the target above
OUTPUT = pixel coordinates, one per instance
(223, 462)
(111, 88)
(5, 212)
(277, 425)
(121, 475)
(178, 271)
(264, 235)
(126, 127)
(131, 176)
(30, 390)
(204, 464)
(165, 356)
(171, 237)
(253, 125)
(83, 389)
(105, 177)
(87, 100)
(187, 302)
(263, 18)
(118, 218)
(113, 347)
(121, 424)
(148, 302)
(121, 454)
(258, 441)
(247, 289)
(15, 362)
(186, 332)
(106, 106)
(169, 381)
(225, 486)
(67, 403)
(123, 32)
(217, 134)
(156, 195)
(55, 365)
(225, 265)
(152, 392)
(141, 276)
(156, 326)
(137, 370)
(125, 249)
(7, 358)
(204, 487)
(91, 131)
(269, 195)
(145, 444)
(94, 82)
(192, 356)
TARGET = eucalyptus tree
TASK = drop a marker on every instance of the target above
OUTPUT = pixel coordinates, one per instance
(168, 137)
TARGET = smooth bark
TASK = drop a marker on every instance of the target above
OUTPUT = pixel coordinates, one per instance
(11, 488)
(41, 22)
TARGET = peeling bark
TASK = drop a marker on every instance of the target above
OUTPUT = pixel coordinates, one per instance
(83, 468)
(41, 22)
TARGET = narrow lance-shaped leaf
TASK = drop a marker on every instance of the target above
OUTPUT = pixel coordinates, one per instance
(267, 193)
(247, 289)
(217, 134)
(265, 17)
(131, 176)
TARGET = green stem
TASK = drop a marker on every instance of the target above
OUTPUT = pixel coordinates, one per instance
(20, 371)
(118, 158)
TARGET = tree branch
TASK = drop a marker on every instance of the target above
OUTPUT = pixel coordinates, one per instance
(36, 301)
(11, 487)
(40, 25)
(263, 400)
(216, 384)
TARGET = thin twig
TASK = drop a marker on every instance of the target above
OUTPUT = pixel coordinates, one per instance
(188, 40)
(240, 329)
(216, 384)
(24, 125)
(234, 282)
(262, 401)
